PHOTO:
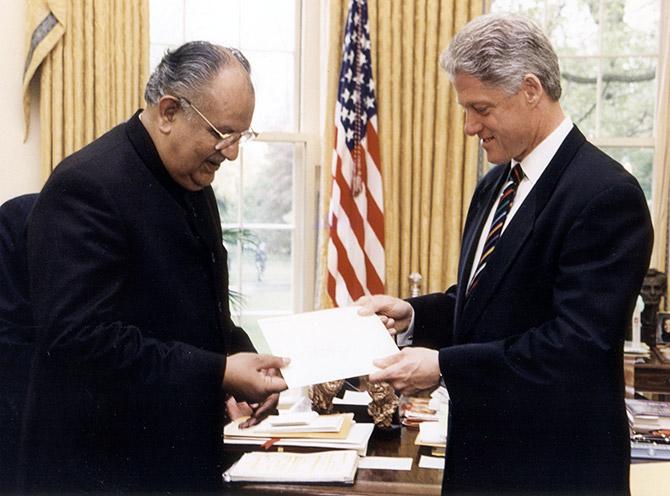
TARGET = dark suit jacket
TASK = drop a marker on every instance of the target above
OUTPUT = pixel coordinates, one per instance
(130, 289)
(16, 331)
(532, 358)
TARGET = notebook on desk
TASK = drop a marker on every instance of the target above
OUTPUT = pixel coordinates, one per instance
(325, 466)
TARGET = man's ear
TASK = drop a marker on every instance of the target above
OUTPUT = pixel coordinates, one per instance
(532, 89)
(168, 106)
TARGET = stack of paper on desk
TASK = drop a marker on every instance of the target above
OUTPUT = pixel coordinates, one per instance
(431, 434)
(352, 436)
(302, 423)
(319, 427)
(326, 466)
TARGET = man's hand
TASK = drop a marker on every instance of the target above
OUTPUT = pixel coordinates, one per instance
(253, 377)
(255, 411)
(396, 314)
(410, 371)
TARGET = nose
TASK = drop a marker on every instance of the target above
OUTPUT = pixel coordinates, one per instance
(472, 125)
(231, 152)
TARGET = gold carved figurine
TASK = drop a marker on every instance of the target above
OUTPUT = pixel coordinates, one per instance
(322, 395)
(384, 402)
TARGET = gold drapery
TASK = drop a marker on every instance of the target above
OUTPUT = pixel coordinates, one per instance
(429, 167)
(94, 65)
(661, 182)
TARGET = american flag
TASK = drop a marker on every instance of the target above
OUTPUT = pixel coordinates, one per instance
(356, 214)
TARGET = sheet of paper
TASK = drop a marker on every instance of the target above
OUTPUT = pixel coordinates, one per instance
(431, 462)
(385, 463)
(353, 398)
(327, 345)
(646, 479)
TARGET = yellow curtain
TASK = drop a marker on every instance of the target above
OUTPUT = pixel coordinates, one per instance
(661, 183)
(93, 69)
(429, 167)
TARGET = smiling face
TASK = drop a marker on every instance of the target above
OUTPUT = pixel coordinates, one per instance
(191, 150)
(506, 124)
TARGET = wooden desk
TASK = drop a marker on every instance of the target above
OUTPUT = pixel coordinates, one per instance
(368, 482)
(653, 376)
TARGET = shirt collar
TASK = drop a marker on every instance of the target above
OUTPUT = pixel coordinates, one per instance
(538, 159)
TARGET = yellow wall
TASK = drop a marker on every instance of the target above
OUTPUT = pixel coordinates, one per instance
(19, 161)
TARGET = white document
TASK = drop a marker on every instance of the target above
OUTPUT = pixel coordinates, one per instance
(431, 462)
(353, 398)
(327, 345)
(385, 463)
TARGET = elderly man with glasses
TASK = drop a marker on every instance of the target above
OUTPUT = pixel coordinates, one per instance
(136, 351)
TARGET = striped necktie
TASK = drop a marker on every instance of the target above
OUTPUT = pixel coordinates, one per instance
(504, 206)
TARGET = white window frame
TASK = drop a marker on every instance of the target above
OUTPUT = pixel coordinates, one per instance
(307, 156)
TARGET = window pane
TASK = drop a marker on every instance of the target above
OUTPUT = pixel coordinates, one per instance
(631, 27)
(231, 243)
(267, 274)
(578, 80)
(628, 97)
(273, 74)
(226, 188)
(268, 25)
(637, 161)
(531, 8)
(572, 26)
(213, 21)
(268, 182)
(166, 18)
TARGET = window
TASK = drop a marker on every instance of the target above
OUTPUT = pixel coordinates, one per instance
(267, 198)
(608, 51)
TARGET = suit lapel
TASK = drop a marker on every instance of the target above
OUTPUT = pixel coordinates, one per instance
(515, 236)
(484, 202)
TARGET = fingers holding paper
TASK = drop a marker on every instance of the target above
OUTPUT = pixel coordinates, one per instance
(253, 377)
(410, 371)
(395, 314)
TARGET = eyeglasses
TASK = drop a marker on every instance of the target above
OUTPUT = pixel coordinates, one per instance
(229, 139)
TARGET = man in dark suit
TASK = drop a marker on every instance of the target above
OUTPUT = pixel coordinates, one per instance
(16, 331)
(129, 287)
(530, 341)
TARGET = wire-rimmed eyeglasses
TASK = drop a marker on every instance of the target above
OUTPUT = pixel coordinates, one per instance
(229, 139)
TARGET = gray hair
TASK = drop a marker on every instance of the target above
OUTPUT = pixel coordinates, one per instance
(500, 49)
(185, 70)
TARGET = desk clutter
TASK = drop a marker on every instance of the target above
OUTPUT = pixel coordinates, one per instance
(650, 428)
(328, 447)
(429, 415)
